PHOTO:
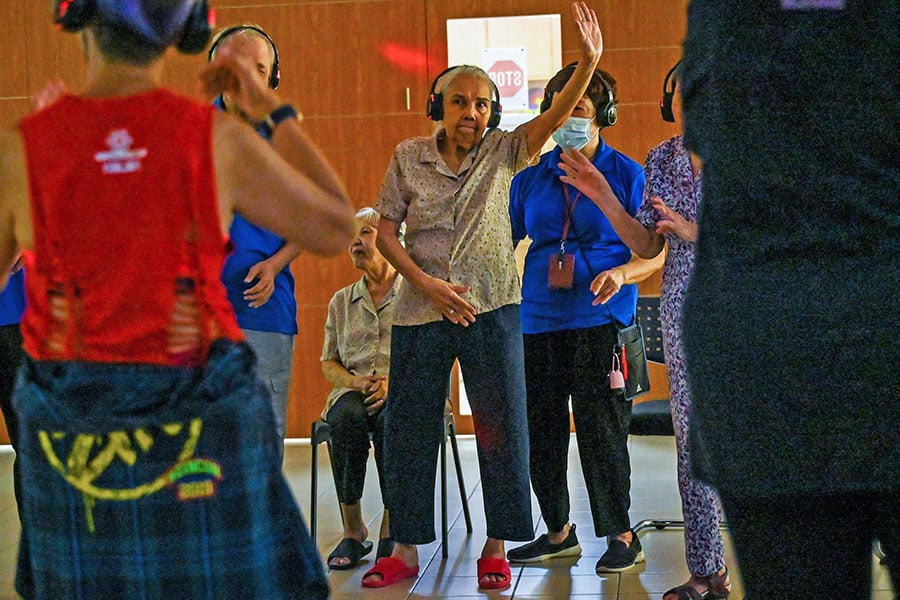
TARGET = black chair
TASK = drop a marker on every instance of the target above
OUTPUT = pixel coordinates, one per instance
(321, 432)
(652, 417)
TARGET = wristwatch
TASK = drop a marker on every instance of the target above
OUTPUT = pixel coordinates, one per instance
(285, 111)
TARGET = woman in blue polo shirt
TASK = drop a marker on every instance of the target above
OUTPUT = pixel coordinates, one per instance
(578, 277)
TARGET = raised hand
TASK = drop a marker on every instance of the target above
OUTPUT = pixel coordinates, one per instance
(232, 72)
(589, 34)
(583, 175)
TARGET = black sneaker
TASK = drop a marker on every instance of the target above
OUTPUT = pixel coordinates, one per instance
(541, 549)
(620, 556)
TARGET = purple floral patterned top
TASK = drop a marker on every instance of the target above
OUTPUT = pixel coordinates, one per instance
(669, 177)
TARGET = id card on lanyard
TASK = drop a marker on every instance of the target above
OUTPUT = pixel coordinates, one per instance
(561, 266)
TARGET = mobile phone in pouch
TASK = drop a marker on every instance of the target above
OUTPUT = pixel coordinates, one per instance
(560, 271)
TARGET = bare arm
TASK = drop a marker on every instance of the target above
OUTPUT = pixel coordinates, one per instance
(442, 294)
(287, 187)
(540, 128)
(15, 204)
(608, 283)
(585, 177)
(15, 208)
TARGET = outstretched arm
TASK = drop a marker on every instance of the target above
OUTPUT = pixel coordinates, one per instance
(584, 176)
(288, 188)
(15, 204)
(590, 38)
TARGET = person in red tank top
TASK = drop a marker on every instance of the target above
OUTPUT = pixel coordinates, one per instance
(149, 454)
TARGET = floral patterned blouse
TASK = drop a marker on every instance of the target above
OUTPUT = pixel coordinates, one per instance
(670, 178)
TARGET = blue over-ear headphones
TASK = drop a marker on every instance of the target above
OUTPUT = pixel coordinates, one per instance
(275, 73)
(434, 109)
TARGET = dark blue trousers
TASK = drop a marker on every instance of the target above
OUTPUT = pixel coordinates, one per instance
(491, 358)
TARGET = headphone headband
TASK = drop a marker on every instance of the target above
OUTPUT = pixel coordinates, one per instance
(665, 105)
(275, 74)
(434, 108)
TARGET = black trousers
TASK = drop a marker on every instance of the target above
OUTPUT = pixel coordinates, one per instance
(10, 359)
(577, 362)
(351, 431)
(812, 547)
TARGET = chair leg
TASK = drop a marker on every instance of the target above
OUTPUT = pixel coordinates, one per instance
(313, 484)
(655, 523)
(451, 429)
(444, 536)
(321, 432)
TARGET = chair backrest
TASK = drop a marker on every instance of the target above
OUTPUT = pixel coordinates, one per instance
(648, 315)
(651, 417)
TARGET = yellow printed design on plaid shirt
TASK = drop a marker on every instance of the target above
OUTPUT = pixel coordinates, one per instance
(84, 465)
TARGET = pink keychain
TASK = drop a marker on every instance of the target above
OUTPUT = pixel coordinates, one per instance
(616, 379)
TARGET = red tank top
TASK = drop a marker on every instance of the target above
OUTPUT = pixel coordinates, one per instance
(125, 216)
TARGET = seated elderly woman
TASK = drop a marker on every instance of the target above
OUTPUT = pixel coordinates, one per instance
(356, 361)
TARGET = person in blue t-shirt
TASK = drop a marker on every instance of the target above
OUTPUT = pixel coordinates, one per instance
(12, 305)
(578, 277)
(257, 274)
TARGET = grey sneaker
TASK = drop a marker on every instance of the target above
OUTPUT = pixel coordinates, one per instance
(620, 556)
(541, 549)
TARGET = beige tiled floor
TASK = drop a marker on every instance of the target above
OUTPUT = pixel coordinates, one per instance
(654, 495)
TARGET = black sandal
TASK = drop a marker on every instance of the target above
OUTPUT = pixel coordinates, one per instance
(718, 587)
(351, 549)
(686, 592)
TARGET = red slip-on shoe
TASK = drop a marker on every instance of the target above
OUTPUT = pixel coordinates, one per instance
(492, 565)
(391, 570)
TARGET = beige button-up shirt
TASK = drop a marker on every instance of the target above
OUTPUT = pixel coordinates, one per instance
(358, 334)
(457, 224)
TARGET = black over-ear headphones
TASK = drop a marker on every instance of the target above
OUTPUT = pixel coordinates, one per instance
(434, 108)
(607, 115)
(74, 15)
(665, 105)
(275, 74)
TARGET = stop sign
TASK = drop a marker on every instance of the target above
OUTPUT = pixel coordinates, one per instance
(508, 77)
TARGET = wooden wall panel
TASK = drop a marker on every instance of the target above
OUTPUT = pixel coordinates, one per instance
(13, 49)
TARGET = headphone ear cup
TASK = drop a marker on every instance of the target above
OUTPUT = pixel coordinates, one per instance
(610, 113)
(197, 30)
(275, 77)
(665, 107)
(496, 114)
(435, 107)
(74, 15)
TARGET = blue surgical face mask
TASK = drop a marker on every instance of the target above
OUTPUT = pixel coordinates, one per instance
(574, 134)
